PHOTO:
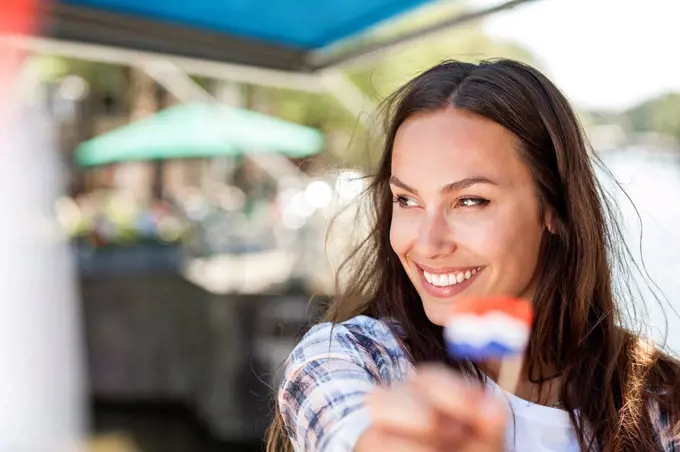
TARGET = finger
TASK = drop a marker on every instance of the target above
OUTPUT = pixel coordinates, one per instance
(379, 440)
(490, 424)
(398, 409)
(443, 433)
(402, 412)
(451, 431)
(461, 401)
(447, 391)
(400, 443)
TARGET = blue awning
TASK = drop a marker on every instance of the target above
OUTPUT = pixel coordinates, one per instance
(278, 34)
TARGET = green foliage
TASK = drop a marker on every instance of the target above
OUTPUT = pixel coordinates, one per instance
(661, 115)
(102, 77)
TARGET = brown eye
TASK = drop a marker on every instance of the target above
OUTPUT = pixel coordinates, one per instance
(404, 202)
(471, 202)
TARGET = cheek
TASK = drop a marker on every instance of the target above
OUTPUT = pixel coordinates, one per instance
(402, 234)
(522, 239)
(508, 241)
(518, 253)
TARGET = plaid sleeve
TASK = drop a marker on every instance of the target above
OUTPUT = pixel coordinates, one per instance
(327, 377)
(669, 441)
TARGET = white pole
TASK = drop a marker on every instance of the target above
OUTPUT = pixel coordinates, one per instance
(213, 69)
(41, 379)
(349, 95)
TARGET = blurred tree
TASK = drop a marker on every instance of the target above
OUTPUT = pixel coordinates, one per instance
(466, 43)
(658, 115)
(105, 95)
(661, 115)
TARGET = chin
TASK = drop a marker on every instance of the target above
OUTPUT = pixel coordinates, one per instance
(436, 311)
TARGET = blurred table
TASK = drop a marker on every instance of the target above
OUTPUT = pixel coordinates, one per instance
(157, 337)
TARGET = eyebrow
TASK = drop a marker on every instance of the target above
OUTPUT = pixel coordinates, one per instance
(448, 188)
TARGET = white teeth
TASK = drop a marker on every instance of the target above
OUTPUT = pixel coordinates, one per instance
(449, 279)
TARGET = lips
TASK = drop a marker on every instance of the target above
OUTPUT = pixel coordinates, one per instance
(447, 282)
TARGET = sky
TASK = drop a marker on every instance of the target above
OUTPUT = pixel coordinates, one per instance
(604, 54)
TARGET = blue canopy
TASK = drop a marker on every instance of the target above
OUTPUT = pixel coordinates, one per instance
(277, 34)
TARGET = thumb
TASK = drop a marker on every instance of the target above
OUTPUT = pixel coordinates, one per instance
(490, 422)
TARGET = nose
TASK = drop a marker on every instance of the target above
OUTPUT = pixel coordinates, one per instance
(436, 237)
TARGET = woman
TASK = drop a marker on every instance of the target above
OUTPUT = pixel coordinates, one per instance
(486, 187)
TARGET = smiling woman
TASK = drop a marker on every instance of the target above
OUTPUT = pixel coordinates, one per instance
(486, 189)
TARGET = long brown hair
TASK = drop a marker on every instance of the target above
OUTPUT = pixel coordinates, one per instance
(585, 319)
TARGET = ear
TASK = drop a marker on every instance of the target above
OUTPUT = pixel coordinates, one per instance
(550, 223)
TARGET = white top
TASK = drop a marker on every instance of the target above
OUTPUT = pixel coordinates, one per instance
(534, 427)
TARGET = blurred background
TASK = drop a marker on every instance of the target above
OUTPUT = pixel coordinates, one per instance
(169, 172)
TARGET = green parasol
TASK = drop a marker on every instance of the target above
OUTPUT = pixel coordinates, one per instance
(200, 131)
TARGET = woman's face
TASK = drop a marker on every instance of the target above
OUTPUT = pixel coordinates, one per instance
(466, 219)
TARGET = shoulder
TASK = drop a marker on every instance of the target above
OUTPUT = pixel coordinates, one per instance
(362, 340)
(664, 428)
(662, 375)
(329, 373)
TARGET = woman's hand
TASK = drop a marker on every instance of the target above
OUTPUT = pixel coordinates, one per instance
(436, 410)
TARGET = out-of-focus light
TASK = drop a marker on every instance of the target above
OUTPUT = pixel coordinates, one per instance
(318, 194)
(300, 206)
(294, 208)
(292, 221)
(69, 215)
(349, 185)
(169, 229)
(122, 208)
(196, 207)
(284, 196)
(74, 88)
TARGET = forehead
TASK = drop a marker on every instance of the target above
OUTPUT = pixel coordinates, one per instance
(436, 148)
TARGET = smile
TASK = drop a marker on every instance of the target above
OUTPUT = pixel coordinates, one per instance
(446, 283)
(451, 278)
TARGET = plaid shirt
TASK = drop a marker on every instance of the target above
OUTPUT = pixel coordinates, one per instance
(331, 370)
